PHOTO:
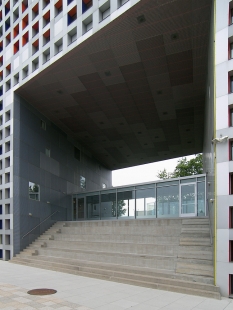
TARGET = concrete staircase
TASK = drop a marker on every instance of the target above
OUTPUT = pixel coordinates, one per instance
(168, 254)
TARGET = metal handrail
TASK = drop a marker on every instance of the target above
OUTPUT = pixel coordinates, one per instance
(40, 223)
(211, 236)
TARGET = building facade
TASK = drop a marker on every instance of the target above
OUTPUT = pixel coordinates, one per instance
(223, 67)
(91, 86)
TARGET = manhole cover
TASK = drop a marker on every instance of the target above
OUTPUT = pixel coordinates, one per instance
(42, 291)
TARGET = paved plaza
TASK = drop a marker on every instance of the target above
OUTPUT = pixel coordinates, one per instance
(82, 293)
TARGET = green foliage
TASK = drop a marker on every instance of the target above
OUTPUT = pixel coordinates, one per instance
(184, 168)
(121, 210)
(163, 174)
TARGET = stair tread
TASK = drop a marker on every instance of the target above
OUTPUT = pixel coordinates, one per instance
(150, 277)
(174, 254)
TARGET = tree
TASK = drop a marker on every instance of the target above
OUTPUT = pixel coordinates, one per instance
(184, 168)
(163, 174)
(121, 210)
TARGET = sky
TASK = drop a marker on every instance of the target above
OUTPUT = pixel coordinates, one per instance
(143, 173)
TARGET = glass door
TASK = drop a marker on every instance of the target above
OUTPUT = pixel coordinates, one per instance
(81, 209)
(74, 209)
(188, 199)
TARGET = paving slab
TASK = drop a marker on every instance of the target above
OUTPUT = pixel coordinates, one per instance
(82, 293)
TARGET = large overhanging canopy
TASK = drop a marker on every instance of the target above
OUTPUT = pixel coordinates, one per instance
(134, 92)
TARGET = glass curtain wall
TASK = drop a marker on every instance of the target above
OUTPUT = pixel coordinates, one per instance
(201, 197)
(93, 206)
(168, 199)
(108, 204)
(126, 203)
(163, 199)
(145, 201)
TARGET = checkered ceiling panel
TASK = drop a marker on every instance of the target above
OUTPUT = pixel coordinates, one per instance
(133, 93)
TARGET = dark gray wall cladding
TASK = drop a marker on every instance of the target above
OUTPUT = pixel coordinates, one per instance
(57, 175)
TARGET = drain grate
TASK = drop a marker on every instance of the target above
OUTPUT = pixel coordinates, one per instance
(42, 291)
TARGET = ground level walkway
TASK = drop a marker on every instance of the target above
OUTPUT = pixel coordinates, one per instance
(76, 292)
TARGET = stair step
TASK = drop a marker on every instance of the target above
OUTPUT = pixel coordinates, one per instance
(120, 268)
(113, 247)
(173, 254)
(159, 283)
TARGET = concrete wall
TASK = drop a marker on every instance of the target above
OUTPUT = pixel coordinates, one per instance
(57, 175)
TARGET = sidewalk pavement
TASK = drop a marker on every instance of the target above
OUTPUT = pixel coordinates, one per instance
(82, 293)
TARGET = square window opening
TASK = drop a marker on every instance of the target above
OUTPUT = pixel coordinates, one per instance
(35, 46)
(7, 177)
(7, 224)
(35, 64)
(7, 208)
(34, 191)
(7, 239)
(24, 5)
(16, 47)
(58, 7)
(72, 15)
(25, 72)
(25, 22)
(58, 46)
(35, 11)
(7, 24)
(8, 39)
(35, 29)
(7, 147)
(45, 3)
(16, 79)
(8, 69)
(87, 24)
(46, 19)
(46, 37)
(104, 11)
(7, 162)
(7, 193)
(82, 182)
(86, 4)
(122, 2)
(15, 14)
(8, 85)
(72, 36)
(25, 39)
(16, 31)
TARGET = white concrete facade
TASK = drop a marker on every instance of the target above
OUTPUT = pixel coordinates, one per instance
(223, 68)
